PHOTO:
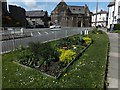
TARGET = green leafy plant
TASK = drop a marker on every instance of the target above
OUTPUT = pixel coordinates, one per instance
(21, 47)
(25, 57)
(117, 27)
(65, 42)
(44, 51)
(95, 30)
(117, 31)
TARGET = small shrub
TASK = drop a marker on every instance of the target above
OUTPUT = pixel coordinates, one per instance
(21, 47)
(25, 57)
(117, 31)
(87, 40)
(94, 30)
(65, 42)
(117, 27)
(100, 31)
(67, 56)
(45, 50)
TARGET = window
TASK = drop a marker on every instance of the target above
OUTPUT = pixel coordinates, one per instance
(113, 14)
(73, 8)
(118, 10)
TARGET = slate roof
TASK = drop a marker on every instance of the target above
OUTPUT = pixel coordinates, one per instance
(77, 9)
(101, 12)
(111, 3)
(74, 9)
(38, 13)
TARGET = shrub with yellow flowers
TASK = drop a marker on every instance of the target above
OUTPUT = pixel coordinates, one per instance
(87, 40)
(66, 55)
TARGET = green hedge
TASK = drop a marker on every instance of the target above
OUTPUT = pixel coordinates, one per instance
(117, 27)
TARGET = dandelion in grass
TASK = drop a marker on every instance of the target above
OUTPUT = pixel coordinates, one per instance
(65, 74)
(83, 64)
(80, 63)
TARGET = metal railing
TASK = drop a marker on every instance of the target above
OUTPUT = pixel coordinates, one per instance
(36, 36)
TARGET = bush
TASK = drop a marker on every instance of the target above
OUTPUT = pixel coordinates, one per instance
(65, 42)
(69, 41)
(117, 27)
(45, 50)
(117, 31)
(67, 56)
(87, 40)
(26, 58)
(94, 30)
(36, 54)
(21, 47)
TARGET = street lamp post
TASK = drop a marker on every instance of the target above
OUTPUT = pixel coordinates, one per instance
(96, 13)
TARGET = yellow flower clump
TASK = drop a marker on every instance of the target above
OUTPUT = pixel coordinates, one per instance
(67, 56)
(87, 40)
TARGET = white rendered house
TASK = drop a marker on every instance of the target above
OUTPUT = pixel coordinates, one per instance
(114, 13)
(101, 19)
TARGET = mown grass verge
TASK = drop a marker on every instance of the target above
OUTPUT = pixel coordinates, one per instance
(86, 72)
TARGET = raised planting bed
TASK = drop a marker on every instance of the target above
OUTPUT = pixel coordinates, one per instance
(86, 72)
(53, 58)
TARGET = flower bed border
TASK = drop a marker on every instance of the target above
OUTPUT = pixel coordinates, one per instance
(60, 73)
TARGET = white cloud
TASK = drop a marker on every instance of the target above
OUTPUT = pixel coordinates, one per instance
(37, 7)
(29, 3)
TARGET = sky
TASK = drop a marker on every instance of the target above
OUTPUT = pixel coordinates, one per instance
(49, 5)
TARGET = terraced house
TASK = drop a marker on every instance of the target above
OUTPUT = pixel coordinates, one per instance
(71, 16)
(102, 18)
(37, 18)
(114, 13)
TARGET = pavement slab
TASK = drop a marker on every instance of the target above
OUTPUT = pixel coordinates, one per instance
(113, 67)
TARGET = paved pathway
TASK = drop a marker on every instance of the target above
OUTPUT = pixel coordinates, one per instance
(113, 61)
(113, 67)
(113, 75)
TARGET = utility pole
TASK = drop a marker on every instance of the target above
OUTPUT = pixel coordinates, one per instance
(96, 13)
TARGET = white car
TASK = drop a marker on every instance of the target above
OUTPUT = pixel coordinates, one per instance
(55, 26)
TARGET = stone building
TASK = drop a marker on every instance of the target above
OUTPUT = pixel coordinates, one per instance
(71, 16)
(38, 18)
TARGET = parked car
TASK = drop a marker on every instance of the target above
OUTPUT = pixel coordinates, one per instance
(55, 26)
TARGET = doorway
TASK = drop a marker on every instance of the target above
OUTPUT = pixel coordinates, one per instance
(79, 24)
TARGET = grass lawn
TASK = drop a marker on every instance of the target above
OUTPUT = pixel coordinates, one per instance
(86, 72)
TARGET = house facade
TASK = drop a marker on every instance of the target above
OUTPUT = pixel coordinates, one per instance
(114, 13)
(38, 18)
(71, 16)
(102, 19)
